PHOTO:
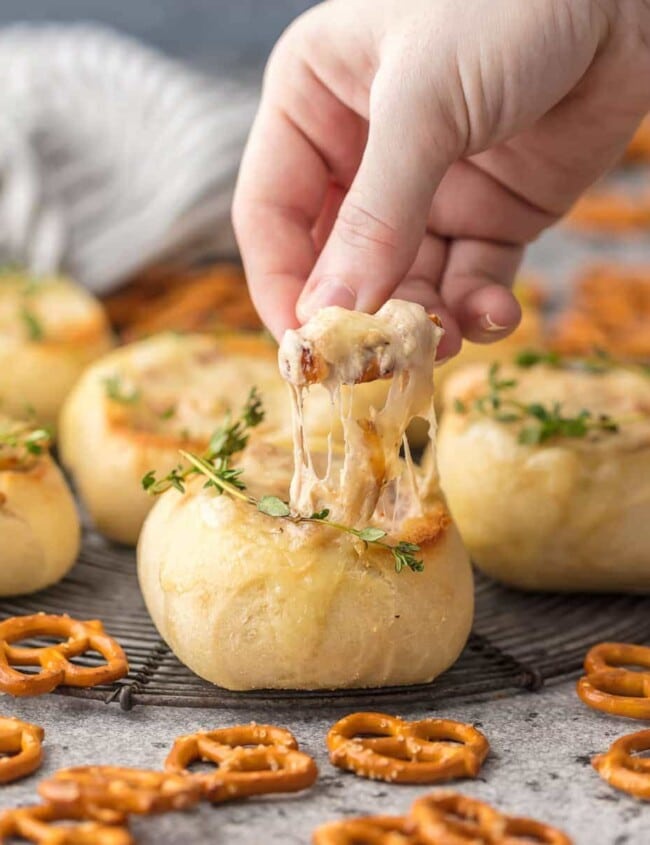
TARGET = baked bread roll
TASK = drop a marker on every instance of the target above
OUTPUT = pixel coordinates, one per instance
(50, 329)
(251, 592)
(39, 525)
(547, 497)
(136, 407)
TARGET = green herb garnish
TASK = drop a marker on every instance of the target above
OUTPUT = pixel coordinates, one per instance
(214, 465)
(31, 441)
(542, 422)
(32, 324)
(117, 392)
(600, 361)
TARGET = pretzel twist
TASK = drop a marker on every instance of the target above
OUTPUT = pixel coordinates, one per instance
(24, 743)
(441, 818)
(368, 830)
(406, 752)
(612, 689)
(54, 661)
(622, 770)
(109, 793)
(250, 759)
(36, 824)
(448, 818)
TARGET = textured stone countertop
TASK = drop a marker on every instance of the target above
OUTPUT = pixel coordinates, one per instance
(538, 766)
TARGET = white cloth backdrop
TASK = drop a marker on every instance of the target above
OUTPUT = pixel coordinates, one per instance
(111, 155)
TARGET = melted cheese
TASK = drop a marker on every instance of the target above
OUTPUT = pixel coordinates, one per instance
(338, 347)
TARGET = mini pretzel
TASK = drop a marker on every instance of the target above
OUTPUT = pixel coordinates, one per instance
(406, 752)
(623, 771)
(54, 660)
(447, 818)
(23, 742)
(370, 830)
(615, 690)
(35, 824)
(109, 793)
(250, 759)
(529, 830)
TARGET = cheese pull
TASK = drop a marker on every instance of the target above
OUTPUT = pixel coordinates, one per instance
(340, 347)
(349, 347)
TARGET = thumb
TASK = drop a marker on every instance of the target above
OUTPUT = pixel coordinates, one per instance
(382, 220)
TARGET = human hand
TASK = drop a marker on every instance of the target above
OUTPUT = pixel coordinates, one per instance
(411, 148)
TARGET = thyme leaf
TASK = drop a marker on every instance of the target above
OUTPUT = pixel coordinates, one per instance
(33, 325)
(214, 465)
(600, 361)
(28, 441)
(229, 439)
(541, 422)
(117, 392)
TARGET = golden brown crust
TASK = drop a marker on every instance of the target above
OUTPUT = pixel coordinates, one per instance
(109, 793)
(381, 747)
(22, 743)
(427, 530)
(54, 661)
(622, 769)
(250, 759)
(39, 825)
(615, 690)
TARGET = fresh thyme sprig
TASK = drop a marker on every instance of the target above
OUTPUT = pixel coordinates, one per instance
(214, 465)
(32, 324)
(31, 441)
(227, 440)
(403, 552)
(117, 392)
(548, 421)
(600, 361)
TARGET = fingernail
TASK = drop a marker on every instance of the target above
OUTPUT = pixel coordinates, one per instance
(326, 292)
(488, 324)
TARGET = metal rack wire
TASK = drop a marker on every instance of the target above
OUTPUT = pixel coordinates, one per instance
(519, 641)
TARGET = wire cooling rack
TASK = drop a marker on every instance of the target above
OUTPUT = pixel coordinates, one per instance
(519, 641)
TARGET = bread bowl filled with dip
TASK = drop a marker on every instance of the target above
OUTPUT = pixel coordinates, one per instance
(352, 574)
(50, 330)
(39, 525)
(546, 466)
(137, 406)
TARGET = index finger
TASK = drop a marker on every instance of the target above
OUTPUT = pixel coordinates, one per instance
(281, 188)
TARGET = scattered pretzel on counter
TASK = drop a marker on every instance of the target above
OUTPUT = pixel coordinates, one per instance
(39, 825)
(608, 687)
(109, 793)
(449, 816)
(381, 747)
(622, 770)
(54, 660)
(250, 759)
(441, 818)
(23, 742)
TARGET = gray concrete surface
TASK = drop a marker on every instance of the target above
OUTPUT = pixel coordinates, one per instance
(541, 743)
(538, 766)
